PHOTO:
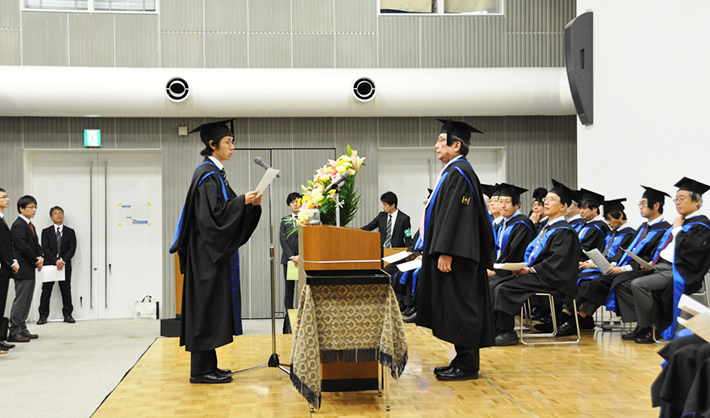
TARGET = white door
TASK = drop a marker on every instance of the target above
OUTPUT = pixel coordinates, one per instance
(408, 172)
(113, 201)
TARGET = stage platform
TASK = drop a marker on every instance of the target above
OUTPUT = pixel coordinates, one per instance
(602, 377)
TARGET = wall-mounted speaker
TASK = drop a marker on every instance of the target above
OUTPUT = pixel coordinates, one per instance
(364, 89)
(177, 89)
(579, 60)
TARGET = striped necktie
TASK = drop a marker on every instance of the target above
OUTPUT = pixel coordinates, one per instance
(388, 237)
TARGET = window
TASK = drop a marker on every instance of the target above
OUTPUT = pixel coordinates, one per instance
(93, 5)
(439, 7)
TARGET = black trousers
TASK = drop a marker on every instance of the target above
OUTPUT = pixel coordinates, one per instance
(467, 359)
(64, 288)
(203, 362)
(288, 300)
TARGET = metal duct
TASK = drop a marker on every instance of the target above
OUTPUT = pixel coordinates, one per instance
(141, 92)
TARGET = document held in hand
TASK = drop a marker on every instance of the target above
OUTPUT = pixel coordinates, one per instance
(410, 265)
(641, 261)
(50, 273)
(395, 257)
(509, 266)
(269, 176)
(700, 323)
(598, 259)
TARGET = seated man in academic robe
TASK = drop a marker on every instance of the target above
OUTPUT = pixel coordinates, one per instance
(682, 389)
(684, 260)
(619, 237)
(594, 231)
(515, 234)
(537, 214)
(552, 264)
(573, 216)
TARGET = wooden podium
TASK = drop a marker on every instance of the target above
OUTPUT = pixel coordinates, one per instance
(338, 248)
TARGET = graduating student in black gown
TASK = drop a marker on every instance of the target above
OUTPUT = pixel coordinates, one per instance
(552, 265)
(214, 223)
(452, 287)
(537, 214)
(620, 236)
(595, 230)
(516, 232)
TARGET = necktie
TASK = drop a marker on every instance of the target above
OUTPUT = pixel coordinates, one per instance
(32, 227)
(388, 237)
(645, 231)
(499, 248)
(539, 239)
(608, 246)
(224, 177)
(59, 241)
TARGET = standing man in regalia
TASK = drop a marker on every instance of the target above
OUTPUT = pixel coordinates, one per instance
(214, 223)
(452, 292)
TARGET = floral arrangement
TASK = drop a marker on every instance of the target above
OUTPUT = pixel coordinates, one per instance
(313, 196)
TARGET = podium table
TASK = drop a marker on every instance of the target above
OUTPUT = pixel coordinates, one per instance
(347, 314)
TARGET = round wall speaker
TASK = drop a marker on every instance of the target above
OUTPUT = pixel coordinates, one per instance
(177, 89)
(364, 89)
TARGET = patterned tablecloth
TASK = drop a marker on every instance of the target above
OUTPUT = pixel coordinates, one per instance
(349, 323)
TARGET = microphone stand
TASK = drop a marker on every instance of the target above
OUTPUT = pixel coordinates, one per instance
(274, 358)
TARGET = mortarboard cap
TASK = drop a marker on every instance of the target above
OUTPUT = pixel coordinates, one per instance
(505, 189)
(590, 196)
(565, 193)
(614, 205)
(488, 189)
(692, 185)
(461, 130)
(213, 131)
(654, 195)
(539, 194)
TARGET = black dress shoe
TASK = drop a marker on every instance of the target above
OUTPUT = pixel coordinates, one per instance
(69, 319)
(411, 318)
(18, 338)
(210, 378)
(42, 320)
(443, 369)
(506, 338)
(29, 335)
(223, 372)
(647, 338)
(637, 332)
(539, 312)
(457, 374)
(586, 323)
(6, 346)
(568, 328)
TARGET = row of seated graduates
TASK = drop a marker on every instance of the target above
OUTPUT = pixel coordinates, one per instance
(552, 245)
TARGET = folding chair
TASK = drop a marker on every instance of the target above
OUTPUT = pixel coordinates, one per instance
(553, 334)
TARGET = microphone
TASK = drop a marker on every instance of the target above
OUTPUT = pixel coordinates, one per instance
(263, 164)
(337, 182)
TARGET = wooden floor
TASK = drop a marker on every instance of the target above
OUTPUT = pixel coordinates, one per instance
(602, 377)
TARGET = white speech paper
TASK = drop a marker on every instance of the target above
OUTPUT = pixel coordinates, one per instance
(51, 274)
(410, 265)
(269, 176)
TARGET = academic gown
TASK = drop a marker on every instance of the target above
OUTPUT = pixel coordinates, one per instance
(554, 260)
(683, 386)
(456, 305)
(597, 287)
(592, 236)
(691, 263)
(577, 224)
(214, 223)
(516, 237)
(613, 244)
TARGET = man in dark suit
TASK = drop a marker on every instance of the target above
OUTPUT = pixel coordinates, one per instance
(8, 261)
(394, 225)
(289, 252)
(59, 246)
(30, 256)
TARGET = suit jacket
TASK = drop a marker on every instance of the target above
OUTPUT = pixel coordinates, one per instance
(27, 249)
(7, 250)
(289, 245)
(401, 224)
(49, 246)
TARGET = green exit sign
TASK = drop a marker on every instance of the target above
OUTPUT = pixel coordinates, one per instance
(92, 137)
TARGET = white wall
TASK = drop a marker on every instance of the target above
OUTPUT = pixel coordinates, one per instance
(651, 99)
